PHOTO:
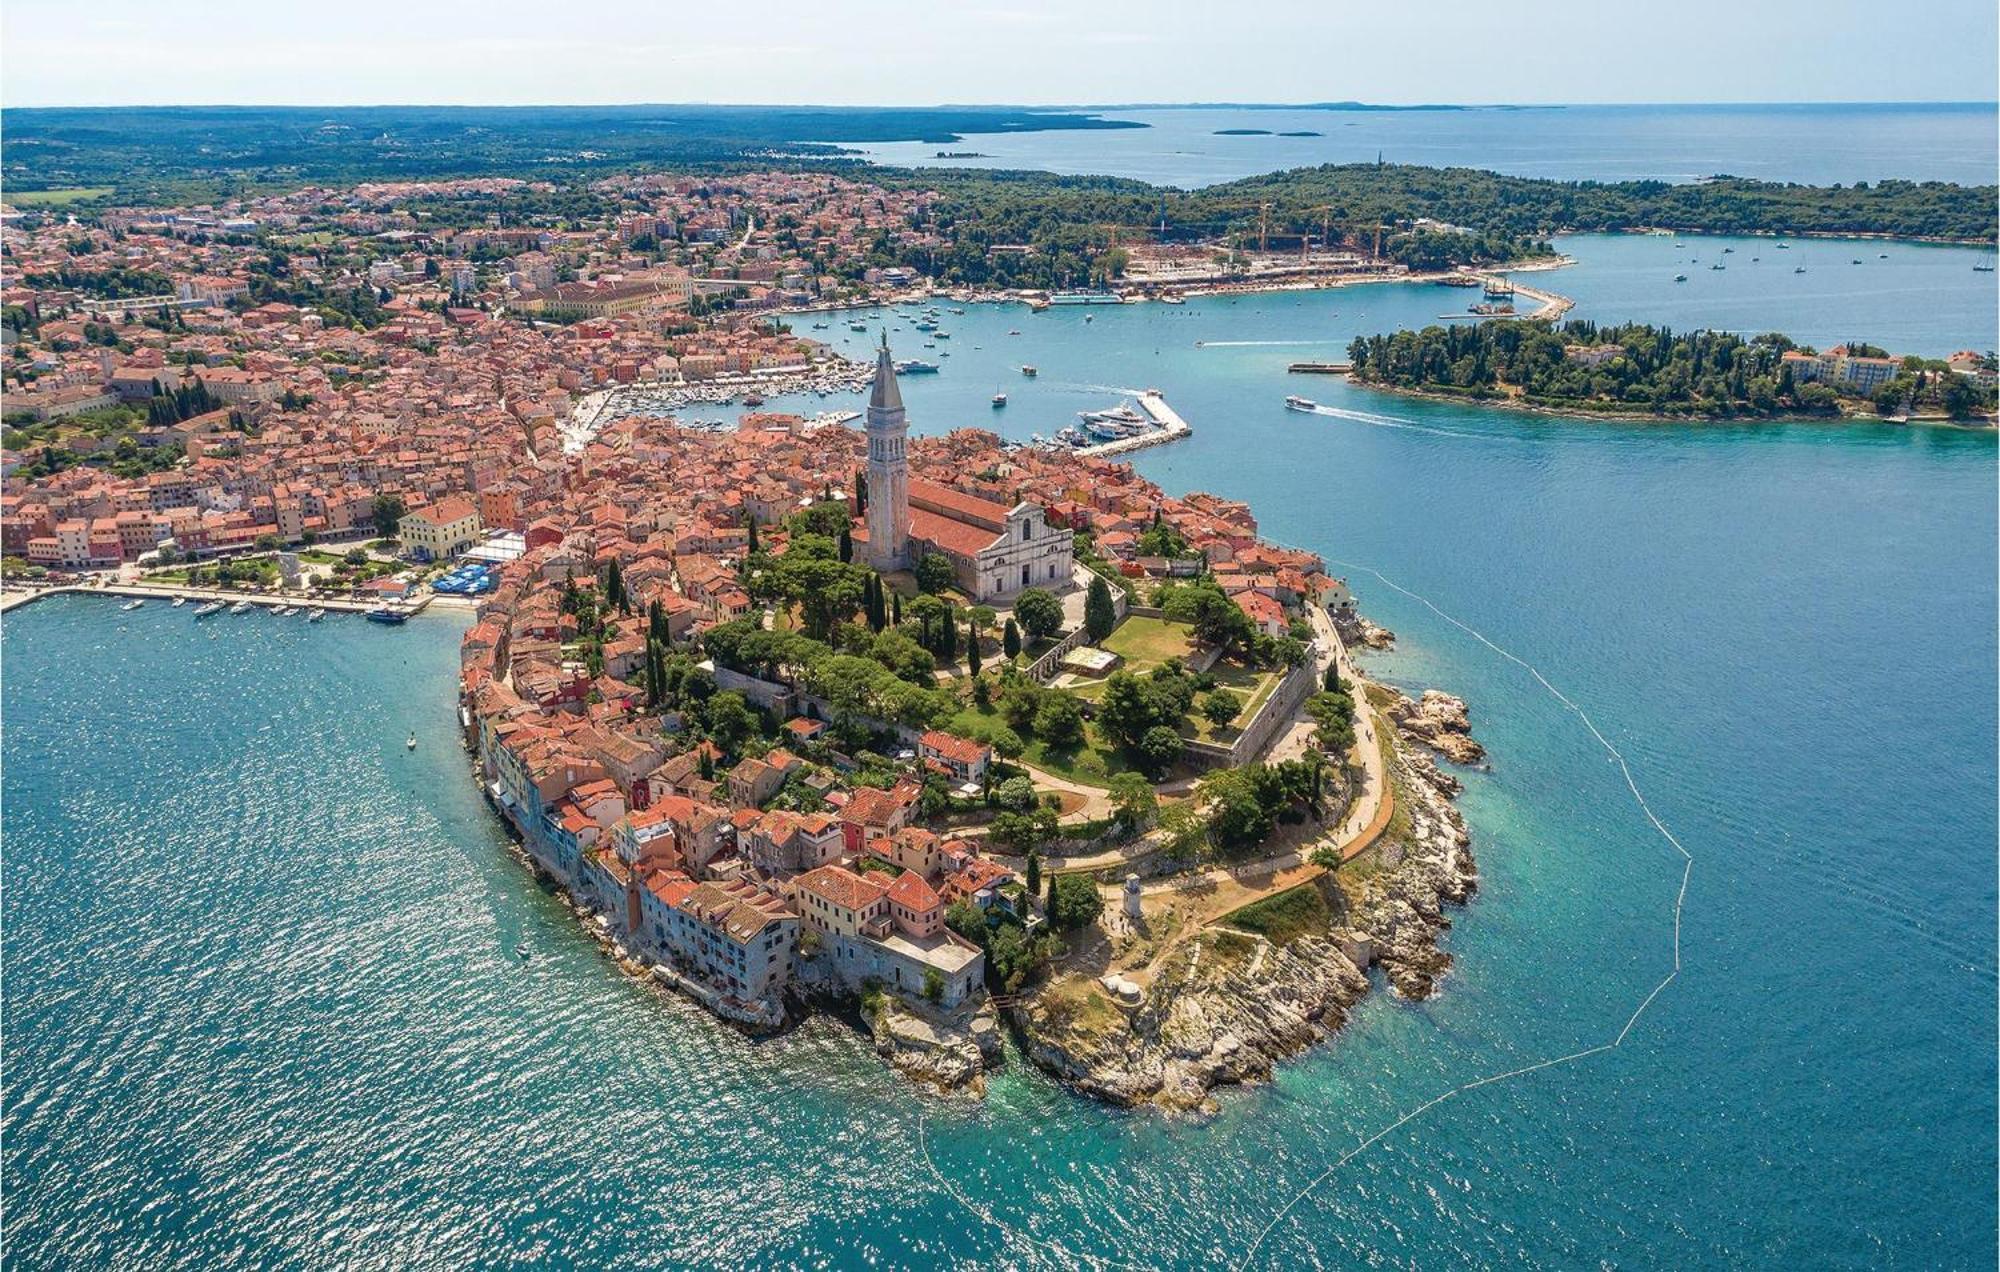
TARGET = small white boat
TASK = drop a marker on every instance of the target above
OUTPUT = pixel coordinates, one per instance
(410, 744)
(1297, 403)
(213, 607)
(241, 607)
(133, 604)
(999, 399)
(315, 614)
(180, 601)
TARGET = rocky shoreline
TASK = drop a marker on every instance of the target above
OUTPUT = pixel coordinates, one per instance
(1226, 1006)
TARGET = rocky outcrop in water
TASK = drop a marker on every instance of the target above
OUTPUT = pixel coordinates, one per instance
(1439, 721)
(1222, 1009)
(949, 1053)
(1357, 630)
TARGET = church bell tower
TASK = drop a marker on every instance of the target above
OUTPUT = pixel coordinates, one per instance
(888, 469)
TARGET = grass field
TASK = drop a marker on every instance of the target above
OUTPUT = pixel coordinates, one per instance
(1145, 643)
(1095, 763)
(55, 198)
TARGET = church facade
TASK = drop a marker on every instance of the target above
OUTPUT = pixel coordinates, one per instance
(995, 551)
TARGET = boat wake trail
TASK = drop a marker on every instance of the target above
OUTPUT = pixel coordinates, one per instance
(1397, 421)
(1680, 899)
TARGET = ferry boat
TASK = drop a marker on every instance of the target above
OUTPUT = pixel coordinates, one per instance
(1297, 403)
(132, 604)
(241, 607)
(213, 607)
(1029, 372)
(1086, 296)
(999, 399)
(914, 367)
(393, 617)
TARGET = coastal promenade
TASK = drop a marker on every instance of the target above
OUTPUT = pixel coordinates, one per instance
(14, 598)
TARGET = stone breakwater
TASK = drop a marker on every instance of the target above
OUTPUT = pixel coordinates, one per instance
(1439, 721)
(1227, 1005)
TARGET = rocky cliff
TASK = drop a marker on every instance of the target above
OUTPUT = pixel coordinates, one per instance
(1225, 1005)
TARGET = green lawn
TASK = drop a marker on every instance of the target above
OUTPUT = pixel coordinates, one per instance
(1095, 763)
(55, 198)
(1145, 643)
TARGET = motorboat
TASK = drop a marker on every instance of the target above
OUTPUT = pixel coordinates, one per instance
(392, 617)
(133, 604)
(212, 608)
(410, 743)
(241, 607)
(315, 614)
(180, 601)
(1029, 372)
(999, 399)
(1297, 403)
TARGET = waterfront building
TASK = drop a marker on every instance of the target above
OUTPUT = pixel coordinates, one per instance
(442, 530)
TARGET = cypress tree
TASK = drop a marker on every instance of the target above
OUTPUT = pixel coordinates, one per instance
(753, 535)
(896, 607)
(846, 544)
(971, 648)
(948, 635)
(1010, 639)
(1034, 879)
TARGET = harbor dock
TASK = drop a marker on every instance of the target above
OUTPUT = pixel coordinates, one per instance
(1171, 429)
(14, 598)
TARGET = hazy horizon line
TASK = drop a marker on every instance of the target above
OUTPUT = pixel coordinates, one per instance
(1323, 104)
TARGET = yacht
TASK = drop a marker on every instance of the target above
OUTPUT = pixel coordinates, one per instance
(213, 607)
(999, 399)
(1297, 403)
(133, 604)
(241, 607)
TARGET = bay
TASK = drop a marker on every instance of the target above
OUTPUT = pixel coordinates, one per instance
(262, 1006)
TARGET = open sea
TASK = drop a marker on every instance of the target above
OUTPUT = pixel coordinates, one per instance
(1817, 144)
(262, 1008)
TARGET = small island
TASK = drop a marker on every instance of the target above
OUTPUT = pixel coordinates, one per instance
(1242, 132)
(1633, 370)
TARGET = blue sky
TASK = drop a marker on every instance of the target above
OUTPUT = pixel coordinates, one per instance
(894, 52)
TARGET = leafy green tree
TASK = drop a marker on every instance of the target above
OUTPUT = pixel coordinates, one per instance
(1134, 800)
(1074, 901)
(1039, 612)
(1059, 722)
(1158, 748)
(1220, 707)
(731, 722)
(387, 513)
(934, 572)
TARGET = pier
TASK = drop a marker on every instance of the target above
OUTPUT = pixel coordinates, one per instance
(1320, 368)
(1171, 428)
(15, 598)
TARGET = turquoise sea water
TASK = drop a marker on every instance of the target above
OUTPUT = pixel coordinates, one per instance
(1840, 142)
(261, 1004)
